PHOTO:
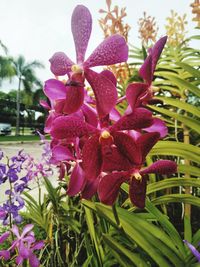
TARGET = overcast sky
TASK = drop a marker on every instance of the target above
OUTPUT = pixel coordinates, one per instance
(38, 28)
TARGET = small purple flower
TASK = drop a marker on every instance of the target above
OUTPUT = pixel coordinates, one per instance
(25, 244)
(194, 251)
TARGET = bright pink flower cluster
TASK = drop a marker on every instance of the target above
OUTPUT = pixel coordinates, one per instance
(91, 141)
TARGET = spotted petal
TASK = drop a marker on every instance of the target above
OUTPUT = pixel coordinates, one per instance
(109, 187)
(91, 155)
(74, 99)
(134, 93)
(161, 167)
(104, 90)
(81, 25)
(127, 146)
(111, 51)
(138, 119)
(149, 65)
(145, 143)
(76, 180)
(137, 192)
(60, 64)
(70, 126)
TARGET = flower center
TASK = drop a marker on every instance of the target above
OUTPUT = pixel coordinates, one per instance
(76, 69)
(105, 134)
(137, 176)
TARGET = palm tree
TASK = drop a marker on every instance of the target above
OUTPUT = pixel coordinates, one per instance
(25, 73)
(6, 68)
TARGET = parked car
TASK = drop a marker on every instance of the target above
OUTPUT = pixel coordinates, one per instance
(5, 128)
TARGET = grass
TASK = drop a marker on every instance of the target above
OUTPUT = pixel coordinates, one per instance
(22, 138)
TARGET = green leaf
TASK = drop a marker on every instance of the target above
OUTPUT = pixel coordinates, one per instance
(185, 198)
(142, 237)
(189, 169)
(172, 182)
(133, 258)
(190, 122)
(93, 235)
(187, 229)
(167, 226)
(181, 105)
(182, 84)
(176, 149)
(188, 68)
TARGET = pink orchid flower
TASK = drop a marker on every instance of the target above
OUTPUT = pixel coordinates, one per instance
(135, 152)
(111, 51)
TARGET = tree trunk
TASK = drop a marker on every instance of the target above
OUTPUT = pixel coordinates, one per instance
(17, 132)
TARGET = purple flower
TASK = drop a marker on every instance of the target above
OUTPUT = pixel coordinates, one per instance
(111, 51)
(194, 251)
(25, 245)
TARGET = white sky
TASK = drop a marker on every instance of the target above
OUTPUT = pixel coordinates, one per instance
(38, 28)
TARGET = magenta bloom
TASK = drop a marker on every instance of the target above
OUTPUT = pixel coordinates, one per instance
(135, 152)
(142, 92)
(94, 148)
(111, 51)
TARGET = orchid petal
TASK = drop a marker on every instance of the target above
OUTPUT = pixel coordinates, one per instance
(146, 71)
(33, 260)
(15, 231)
(111, 51)
(60, 64)
(54, 89)
(45, 105)
(81, 25)
(19, 259)
(158, 126)
(149, 65)
(76, 181)
(109, 187)
(38, 245)
(27, 229)
(145, 143)
(60, 153)
(90, 115)
(128, 147)
(5, 254)
(134, 93)
(91, 155)
(4, 236)
(90, 188)
(23, 250)
(137, 192)
(157, 50)
(104, 90)
(49, 121)
(74, 99)
(70, 126)
(115, 161)
(114, 115)
(161, 167)
(108, 74)
(140, 118)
